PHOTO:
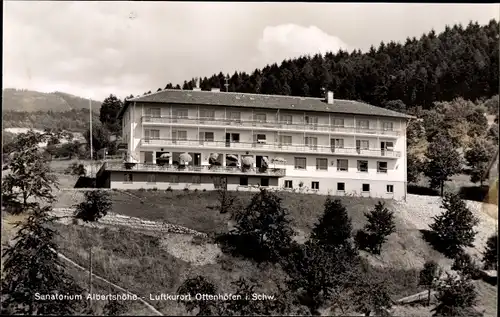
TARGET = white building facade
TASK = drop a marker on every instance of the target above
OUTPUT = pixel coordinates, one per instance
(292, 143)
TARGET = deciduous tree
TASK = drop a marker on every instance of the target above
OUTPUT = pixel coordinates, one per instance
(443, 162)
(32, 267)
(478, 158)
(30, 177)
(429, 277)
(96, 204)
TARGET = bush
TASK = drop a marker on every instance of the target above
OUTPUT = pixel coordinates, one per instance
(95, 205)
(464, 264)
(169, 189)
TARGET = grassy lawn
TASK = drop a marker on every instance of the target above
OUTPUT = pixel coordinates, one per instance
(137, 261)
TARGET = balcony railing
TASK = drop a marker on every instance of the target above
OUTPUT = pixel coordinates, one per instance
(194, 169)
(279, 125)
(278, 147)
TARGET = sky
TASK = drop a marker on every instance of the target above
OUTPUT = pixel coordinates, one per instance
(93, 49)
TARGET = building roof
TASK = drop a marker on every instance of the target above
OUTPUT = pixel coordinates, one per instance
(245, 100)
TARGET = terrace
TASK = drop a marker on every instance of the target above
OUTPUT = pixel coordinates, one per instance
(204, 169)
(266, 124)
(271, 147)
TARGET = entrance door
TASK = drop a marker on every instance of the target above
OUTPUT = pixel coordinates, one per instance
(197, 159)
(148, 157)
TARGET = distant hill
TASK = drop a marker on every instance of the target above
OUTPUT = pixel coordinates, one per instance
(32, 101)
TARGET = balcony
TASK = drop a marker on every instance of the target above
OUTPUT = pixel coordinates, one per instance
(267, 125)
(225, 170)
(270, 147)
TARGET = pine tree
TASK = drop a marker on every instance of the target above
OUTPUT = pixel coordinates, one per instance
(490, 256)
(454, 228)
(32, 266)
(464, 264)
(263, 230)
(456, 297)
(334, 227)
(108, 114)
(380, 225)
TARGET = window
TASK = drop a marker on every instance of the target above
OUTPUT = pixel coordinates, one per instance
(362, 124)
(206, 136)
(128, 178)
(322, 164)
(363, 144)
(362, 166)
(180, 113)
(315, 185)
(390, 188)
(342, 165)
(244, 181)
(207, 114)
(179, 135)
(382, 167)
(196, 179)
(286, 119)
(300, 163)
(235, 115)
(259, 138)
(150, 134)
(336, 144)
(259, 117)
(288, 184)
(388, 126)
(174, 179)
(151, 178)
(389, 146)
(153, 112)
(366, 188)
(341, 187)
(337, 122)
(311, 142)
(264, 182)
(285, 140)
(313, 120)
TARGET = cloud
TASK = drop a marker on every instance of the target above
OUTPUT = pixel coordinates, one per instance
(291, 40)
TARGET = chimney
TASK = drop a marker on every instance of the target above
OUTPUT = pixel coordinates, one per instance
(329, 97)
(215, 90)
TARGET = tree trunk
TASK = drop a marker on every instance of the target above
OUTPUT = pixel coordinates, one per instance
(429, 296)
(442, 188)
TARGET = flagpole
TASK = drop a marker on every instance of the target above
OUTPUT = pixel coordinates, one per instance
(90, 137)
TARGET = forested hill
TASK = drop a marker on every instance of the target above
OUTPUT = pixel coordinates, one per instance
(459, 62)
(33, 101)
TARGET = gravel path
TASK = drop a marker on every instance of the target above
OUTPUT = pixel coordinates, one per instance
(418, 211)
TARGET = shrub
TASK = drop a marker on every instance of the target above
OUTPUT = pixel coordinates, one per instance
(169, 189)
(429, 276)
(96, 204)
(464, 264)
(141, 189)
